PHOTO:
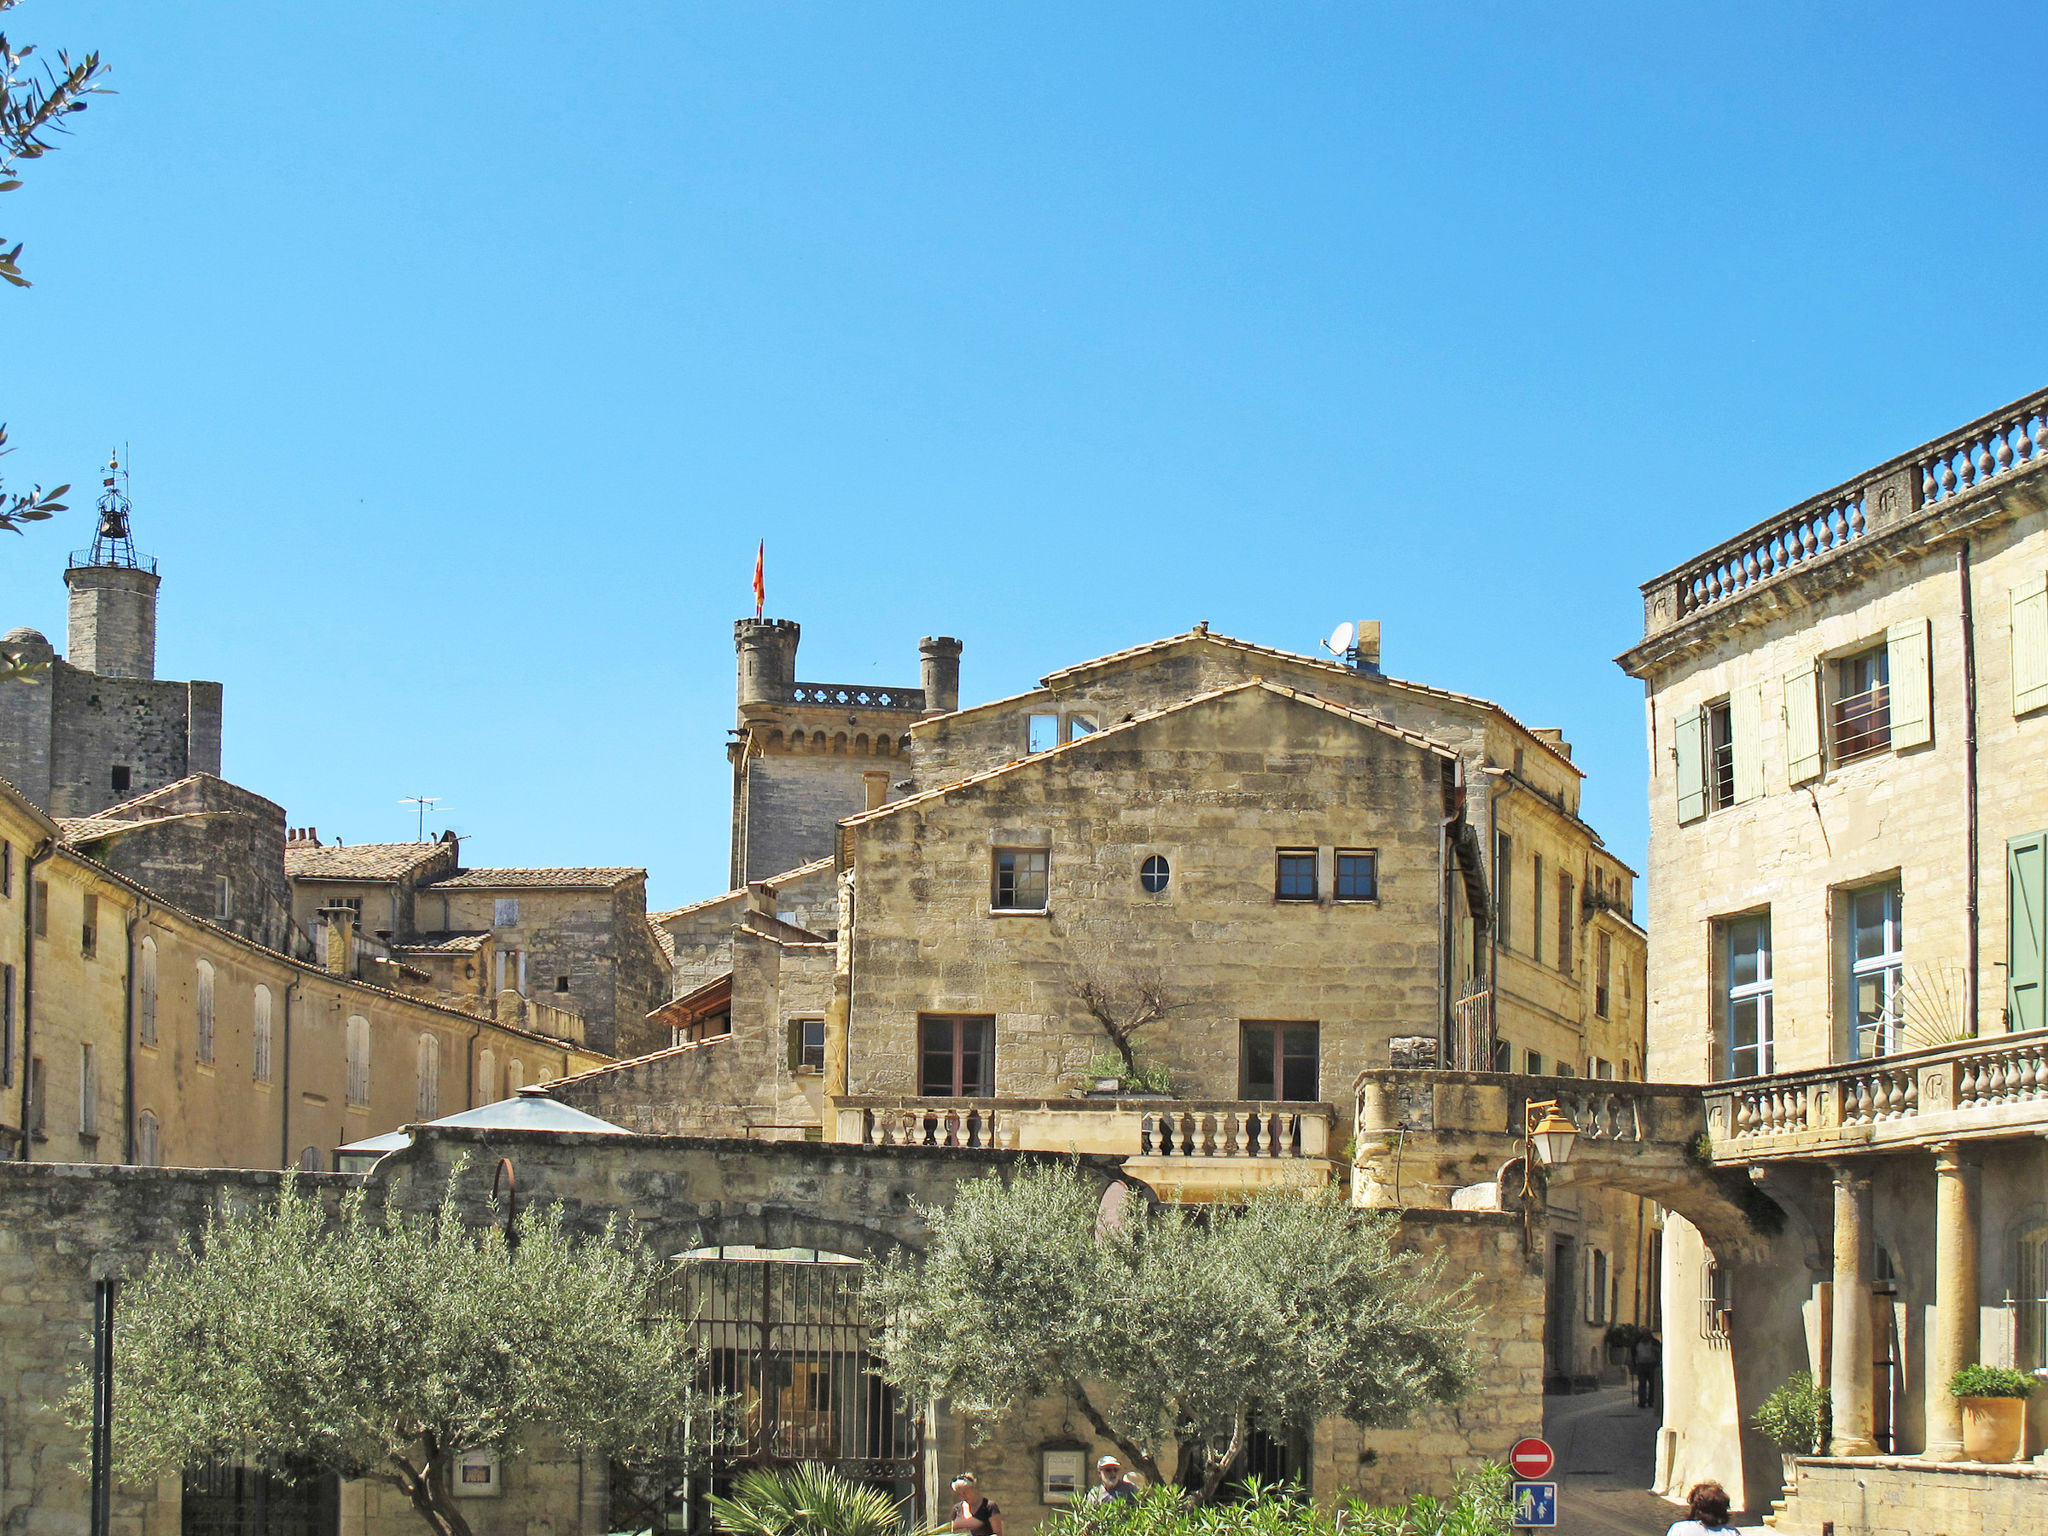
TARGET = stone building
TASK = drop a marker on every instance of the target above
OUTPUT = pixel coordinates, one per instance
(132, 1031)
(96, 726)
(805, 754)
(514, 940)
(1847, 712)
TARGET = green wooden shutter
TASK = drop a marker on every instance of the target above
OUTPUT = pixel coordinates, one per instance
(2030, 644)
(1912, 705)
(1692, 765)
(1746, 729)
(2026, 929)
(796, 1044)
(1802, 724)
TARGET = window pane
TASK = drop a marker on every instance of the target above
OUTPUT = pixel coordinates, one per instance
(1021, 879)
(1297, 881)
(1299, 1077)
(977, 1059)
(1258, 1062)
(1871, 911)
(1045, 732)
(1357, 877)
(1154, 875)
(1080, 725)
(935, 1075)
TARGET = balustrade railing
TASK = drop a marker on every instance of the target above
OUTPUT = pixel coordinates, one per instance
(1962, 1077)
(1118, 1127)
(2012, 438)
(857, 696)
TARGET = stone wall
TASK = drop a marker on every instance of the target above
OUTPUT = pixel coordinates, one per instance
(806, 897)
(1875, 1497)
(66, 730)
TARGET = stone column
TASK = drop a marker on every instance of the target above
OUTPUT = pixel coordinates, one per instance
(1952, 1336)
(1851, 1359)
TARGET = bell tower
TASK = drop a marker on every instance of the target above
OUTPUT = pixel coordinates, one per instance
(113, 592)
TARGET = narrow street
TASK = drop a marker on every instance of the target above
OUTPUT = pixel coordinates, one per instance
(1606, 1456)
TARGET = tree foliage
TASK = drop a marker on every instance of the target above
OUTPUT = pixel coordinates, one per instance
(36, 104)
(1174, 1330)
(389, 1349)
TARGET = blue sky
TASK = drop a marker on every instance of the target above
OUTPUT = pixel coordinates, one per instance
(465, 351)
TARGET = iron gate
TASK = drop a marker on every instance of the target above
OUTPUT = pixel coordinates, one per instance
(786, 1347)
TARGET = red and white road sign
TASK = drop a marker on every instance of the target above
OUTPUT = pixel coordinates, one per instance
(1532, 1459)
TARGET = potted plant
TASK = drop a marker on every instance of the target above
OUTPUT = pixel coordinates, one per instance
(1795, 1419)
(1994, 1403)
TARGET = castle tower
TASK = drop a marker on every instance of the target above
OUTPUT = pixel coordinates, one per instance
(113, 594)
(94, 727)
(806, 754)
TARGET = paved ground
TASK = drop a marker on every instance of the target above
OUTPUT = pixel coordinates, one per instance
(1606, 1458)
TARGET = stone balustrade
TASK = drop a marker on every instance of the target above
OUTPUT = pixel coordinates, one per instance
(858, 696)
(1183, 1144)
(1993, 1085)
(1822, 527)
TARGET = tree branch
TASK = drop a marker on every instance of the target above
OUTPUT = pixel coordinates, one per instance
(1102, 1427)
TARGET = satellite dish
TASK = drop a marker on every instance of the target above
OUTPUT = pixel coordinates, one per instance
(1342, 639)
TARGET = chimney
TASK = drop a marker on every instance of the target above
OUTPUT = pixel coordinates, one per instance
(1368, 647)
(341, 938)
(1552, 737)
(877, 782)
(941, 673)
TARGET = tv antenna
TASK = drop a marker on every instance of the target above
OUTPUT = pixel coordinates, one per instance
(1343, 643)
(425, 803)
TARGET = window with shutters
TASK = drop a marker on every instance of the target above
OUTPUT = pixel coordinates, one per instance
(1876, 963)
(487, 1076)
(2030, 645)
(1567, 910)
(358, 1060)
(1536, 911)
(6, 1026)
(1603, 973)
(427, 1103)
(204, 1012)
(88, 1092)
(145, 987)
(2026, 931)
(1504, 904)
(515, 1076)
(1747, 1023)
(1534, 1064)
(1803, 757)
(1720, 755)
(260, 1036)
(148, 1152)
(1860, 722)
(1596, 1286)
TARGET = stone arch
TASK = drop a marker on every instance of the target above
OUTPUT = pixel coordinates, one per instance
(902, 745)
(881, 746)
(860, 745)
(839, 745)
(775, 741)
(817, 741)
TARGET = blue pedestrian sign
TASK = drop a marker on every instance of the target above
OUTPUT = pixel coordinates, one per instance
(1535, 1504)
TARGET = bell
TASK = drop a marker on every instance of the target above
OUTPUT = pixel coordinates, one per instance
(113, 526)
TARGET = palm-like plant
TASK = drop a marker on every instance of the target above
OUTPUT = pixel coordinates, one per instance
(806, 1500)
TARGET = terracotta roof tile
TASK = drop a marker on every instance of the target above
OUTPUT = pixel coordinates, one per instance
(362, 861)
(445, 943)
(525, 879)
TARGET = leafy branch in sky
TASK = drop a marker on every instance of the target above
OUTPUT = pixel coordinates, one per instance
(36, 103)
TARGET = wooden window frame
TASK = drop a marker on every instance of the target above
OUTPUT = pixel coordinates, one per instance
(954, 1049)
(1281, 875)
(1284, 1037)
(1017, 880)
(1371, 859)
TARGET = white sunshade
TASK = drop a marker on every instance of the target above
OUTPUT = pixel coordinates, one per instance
(530, 1109)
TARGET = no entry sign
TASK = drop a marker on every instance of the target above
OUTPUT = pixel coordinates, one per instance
(1531, 1459)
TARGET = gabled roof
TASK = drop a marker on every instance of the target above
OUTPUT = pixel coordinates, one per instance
(445, 944)
(1179, 706)
(91, 829)
(773, 882)
(1067, 676)
(532, 879)
(363, 861)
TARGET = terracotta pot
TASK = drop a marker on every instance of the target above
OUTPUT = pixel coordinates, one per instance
(1994, 1428)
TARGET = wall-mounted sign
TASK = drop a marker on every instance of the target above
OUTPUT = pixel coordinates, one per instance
(475, 1475)
(1062, 1475)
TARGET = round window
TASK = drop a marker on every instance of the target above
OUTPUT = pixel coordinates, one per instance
(1154, 874)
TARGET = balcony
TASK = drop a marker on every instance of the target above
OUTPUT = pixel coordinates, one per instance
(1196, 1149)
(1991, 1086)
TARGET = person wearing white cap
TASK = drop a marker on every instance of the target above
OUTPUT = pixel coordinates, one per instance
(1113, 1487)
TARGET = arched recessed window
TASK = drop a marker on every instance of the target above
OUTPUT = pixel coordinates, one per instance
(487, 1076)
(515, 1077)
(428, 1103)
(358, 1059)
(205, 1011)
(148, 1154)
(260, 1036)
(1154, 874)
(547, 1074)
(310, 1160)
(145, 988)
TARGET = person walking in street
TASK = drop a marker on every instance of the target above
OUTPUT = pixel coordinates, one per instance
(971, 1512)
(1645, 1360)
(1111, 1487)
(1706, 1512)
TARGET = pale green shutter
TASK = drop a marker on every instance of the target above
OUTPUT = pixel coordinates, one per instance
(796, 1044)
(2026, 929)
(1692, 767)
(1746, 729)
(1802, 724)
(2030, 644)
(1912, 708)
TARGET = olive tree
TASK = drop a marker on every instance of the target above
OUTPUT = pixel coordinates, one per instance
(388, 1349)
(1175, 1330)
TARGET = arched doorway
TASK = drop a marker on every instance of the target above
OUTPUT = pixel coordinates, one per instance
(787, 1346)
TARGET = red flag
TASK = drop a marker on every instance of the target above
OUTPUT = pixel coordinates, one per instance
(760, 586)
